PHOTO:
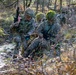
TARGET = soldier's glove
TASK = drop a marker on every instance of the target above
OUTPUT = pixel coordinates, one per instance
(27, 37)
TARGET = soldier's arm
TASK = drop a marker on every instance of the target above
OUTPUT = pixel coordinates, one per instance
(56, 31)
(39, 30)
(31, 31)
(33, 28)
(16, 24)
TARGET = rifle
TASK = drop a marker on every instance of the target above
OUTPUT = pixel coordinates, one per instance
(14, 29)
(27, 37)
(17, 15)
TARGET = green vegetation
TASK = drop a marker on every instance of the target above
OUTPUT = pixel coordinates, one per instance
(1, 32)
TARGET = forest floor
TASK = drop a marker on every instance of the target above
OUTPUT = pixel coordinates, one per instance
(63, 65)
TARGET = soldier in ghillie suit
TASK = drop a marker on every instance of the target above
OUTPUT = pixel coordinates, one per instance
(23, 29)
(61, 17)
(47, 35)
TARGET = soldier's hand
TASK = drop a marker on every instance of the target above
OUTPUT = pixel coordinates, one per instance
(16, 24)
(13, 26)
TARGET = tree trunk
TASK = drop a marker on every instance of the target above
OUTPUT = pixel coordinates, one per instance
(28, 3)
(37, 2)
(43, 6)
(49, 4)
(60, 5)
(24, 4)
(18, 3)
(55, 5)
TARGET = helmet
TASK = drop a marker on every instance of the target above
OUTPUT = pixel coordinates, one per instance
(40, 16)
(29, 12)
(50, 15)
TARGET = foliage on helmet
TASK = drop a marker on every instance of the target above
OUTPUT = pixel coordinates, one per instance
(40, 16)
(29, 12)
(50, 15)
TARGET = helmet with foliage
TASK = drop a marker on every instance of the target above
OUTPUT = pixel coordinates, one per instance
(50, 15)
(29, 12)
(40, 16)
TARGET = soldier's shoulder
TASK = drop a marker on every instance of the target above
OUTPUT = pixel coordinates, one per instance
(58, 15)
(57, 25)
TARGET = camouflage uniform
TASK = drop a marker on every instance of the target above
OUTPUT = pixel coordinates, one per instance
(61, 17)
(23, 28)
(47, 30)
